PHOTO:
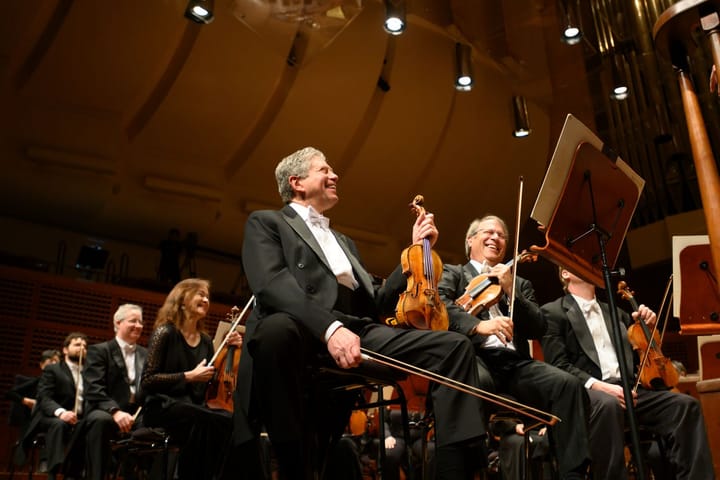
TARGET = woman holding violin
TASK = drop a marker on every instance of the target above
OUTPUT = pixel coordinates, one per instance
(578, 340)
(175, 379)
(501, 338)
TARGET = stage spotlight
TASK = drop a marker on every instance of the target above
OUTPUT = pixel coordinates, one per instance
(571, 34)
(620, 90)
(394, 17)
(520, 113)
(199, 11)
(463, 67)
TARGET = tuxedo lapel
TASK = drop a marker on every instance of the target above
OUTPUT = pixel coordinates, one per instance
(67, 373)
(298, 224)
(581, 329)
(140, 356)
(117, 356)
(469, 272)
(363, 276)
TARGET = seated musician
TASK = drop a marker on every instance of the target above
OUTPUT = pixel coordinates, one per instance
(59, 410)
(175, 379)
(314, 297)
(24, 393)
(511, 447)
(421, 434)
(502, 343)
(112, 387)
(578, 340)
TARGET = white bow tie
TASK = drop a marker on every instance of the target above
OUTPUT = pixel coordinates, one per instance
(318, 219)
(588, 307)
(129, 348)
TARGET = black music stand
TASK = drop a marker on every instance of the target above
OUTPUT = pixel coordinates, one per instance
(585, 206)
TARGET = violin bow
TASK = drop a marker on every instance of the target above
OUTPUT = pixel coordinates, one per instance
(526, 410)
(667, 298)
(516, 247)
(79, 383)
(234, 325)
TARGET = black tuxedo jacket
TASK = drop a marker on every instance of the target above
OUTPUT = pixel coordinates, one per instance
(529, 322)
(24, 387)
(568, 343)
(56, 389)
(105, 377)
(288, 272)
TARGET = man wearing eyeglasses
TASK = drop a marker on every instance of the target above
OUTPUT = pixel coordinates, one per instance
(501, 343)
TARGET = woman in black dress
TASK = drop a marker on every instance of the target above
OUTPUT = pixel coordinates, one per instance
(175, 379)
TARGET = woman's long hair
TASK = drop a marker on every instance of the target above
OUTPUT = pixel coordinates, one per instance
(173, 310)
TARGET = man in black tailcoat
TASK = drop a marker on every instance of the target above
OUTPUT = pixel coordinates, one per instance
(59, 409)
(112, 388)
(578, 340)
(501, 341)
(314, 296)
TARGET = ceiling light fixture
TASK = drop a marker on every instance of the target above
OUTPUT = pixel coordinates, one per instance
(463, 67)
(522, 122)
(571, 34)
(620, 90)
(200, 11)
(394, 17)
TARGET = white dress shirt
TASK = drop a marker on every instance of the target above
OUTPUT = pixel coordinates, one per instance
(319, 226)
(128, 352)
(78, 381)
(609, 365)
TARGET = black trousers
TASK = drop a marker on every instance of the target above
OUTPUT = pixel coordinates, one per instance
(542, 386)
(675, 417)
(282, 350)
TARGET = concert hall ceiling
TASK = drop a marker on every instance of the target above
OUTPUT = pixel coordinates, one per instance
(125, 119)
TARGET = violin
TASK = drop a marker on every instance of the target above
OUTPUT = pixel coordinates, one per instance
(358, 423)
(420, 305)
(656, 372)
(484, 291)
(220, 389)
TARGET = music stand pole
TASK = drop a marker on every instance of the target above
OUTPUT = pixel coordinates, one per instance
(617, 339)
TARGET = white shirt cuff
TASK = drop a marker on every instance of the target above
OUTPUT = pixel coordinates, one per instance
(59, 411)
(590, 382)
(331, 329)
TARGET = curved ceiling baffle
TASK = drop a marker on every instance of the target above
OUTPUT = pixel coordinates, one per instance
(152, 122)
